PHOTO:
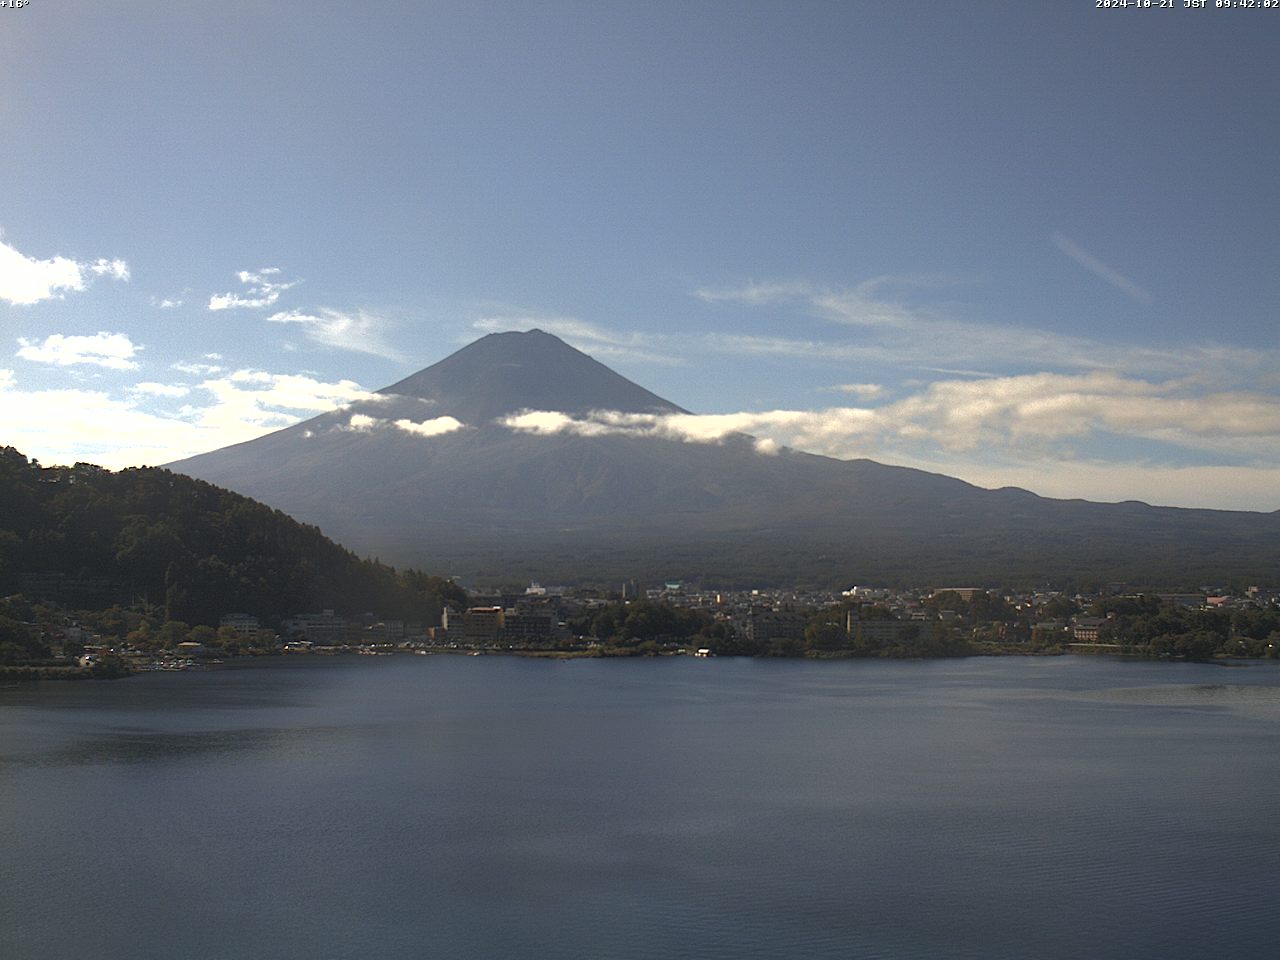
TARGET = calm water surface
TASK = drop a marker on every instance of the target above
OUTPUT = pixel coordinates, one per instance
(487, 807)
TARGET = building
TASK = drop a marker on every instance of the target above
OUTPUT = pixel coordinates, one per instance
(483, 623)
(887, 633)
(1091, 629)
(241, 623)
(323, 629)
(529, 624)
(772, 624)
(964, 593)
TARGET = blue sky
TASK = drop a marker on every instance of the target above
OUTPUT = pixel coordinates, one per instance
(1021, 244)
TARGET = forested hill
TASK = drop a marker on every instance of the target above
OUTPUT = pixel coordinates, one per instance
(88, 537)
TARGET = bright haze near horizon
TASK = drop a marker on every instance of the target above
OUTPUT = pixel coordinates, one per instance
(1019, 244)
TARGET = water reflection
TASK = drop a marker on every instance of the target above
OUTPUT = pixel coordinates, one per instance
(489, 807)
(140, 746)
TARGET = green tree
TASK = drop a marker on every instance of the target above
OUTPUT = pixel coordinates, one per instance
(174, 632)
(826, 636)
(203, 634)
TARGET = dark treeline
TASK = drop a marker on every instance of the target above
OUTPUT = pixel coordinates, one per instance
(90, 538)
(1161, 628)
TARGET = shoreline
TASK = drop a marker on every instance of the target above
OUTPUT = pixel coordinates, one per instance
(20, 675)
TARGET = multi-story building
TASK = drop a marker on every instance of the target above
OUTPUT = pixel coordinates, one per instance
(483, 623)
(773, 624)
(320, 628)
(880, 633)
(242, 623)
(529, 624)
(1090, 629)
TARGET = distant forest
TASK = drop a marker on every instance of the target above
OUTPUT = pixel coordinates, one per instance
(90, 538)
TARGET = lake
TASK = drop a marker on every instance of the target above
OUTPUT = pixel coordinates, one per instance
(497, 807)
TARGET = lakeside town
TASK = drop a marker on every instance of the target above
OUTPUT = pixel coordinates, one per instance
(667, 619)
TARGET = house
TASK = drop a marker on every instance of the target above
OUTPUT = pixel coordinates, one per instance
(1091, 629)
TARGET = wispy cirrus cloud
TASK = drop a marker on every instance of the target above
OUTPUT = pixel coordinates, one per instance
(887, 334)
(865, 304)
(262, 289)
(1099, 269)
(115, 351)
(894, 332)
(755, 293)
(25, 280)
(362, 332)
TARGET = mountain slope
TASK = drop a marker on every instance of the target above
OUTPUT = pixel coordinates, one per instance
(505, 372)
(485, 500)
(89, 538)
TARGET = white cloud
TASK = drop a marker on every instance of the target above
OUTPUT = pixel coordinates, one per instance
(166, 303)
(271, 394)
(995, 427)
(437, 426)
(693, 428)
(111, 350)
(1223, 445)
(429, 428)
(363, 423)
(198, 369)
(1099, 269)
(63, 426)
(151, 389)
(1037, 409)
(552, 421)
(66, 426)
(117, 269)
(260, 286)
(360, 332)
(25, 280)
(866, 391)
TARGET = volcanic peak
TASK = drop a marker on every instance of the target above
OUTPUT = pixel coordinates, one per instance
(504, 373)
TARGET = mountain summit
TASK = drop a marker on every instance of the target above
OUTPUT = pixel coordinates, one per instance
(504, 373)
(428, 473)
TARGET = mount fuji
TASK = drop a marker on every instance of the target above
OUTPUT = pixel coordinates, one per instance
(519, 456)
